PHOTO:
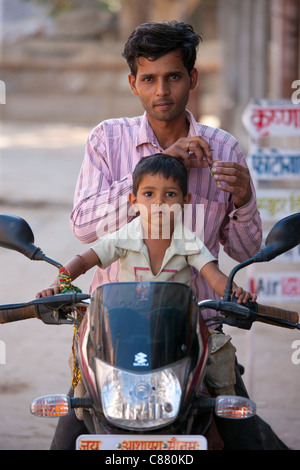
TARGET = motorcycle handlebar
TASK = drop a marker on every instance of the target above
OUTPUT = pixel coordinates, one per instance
(48, 309)
(277, 313)
(20, 313)
(244, 315)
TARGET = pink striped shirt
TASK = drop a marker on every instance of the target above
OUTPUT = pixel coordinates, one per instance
(101, 197)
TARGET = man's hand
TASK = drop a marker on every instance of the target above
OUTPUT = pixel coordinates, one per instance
(194, 151)
(237, 179)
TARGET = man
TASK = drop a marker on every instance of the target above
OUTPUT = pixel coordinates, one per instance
(161, 57)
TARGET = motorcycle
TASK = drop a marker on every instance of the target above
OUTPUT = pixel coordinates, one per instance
(142, 350)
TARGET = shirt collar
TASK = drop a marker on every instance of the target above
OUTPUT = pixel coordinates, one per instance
(130, 237)
(146, 135)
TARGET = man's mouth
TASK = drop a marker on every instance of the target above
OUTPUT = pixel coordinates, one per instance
(163, 104)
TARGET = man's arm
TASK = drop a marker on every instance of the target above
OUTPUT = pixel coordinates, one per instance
(100, 204)
(241, 233)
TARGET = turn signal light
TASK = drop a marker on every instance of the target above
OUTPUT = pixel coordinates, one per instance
(51, 406)
(234, 407)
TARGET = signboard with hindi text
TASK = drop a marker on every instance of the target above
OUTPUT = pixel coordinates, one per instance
(274, 163)
(266, 118)
(274, 204)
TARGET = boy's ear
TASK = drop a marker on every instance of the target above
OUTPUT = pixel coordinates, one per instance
(132, 200)
(187, 198)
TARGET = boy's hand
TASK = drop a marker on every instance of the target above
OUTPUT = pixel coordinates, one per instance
(52, 290)
(243, 296)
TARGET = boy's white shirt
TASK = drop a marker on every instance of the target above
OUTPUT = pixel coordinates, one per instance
(127, 245)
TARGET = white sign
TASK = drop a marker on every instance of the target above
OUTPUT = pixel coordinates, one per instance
(276, 287)
(274, 204)
(272, 118)
(274, 164)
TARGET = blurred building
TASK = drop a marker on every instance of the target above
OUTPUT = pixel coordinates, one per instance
(64, 64)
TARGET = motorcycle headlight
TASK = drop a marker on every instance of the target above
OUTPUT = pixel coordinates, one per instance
(140, 401)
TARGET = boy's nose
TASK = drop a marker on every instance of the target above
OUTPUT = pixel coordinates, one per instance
(159, 199)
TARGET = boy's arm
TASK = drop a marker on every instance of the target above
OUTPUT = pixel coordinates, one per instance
(75, 267)
(218, 281)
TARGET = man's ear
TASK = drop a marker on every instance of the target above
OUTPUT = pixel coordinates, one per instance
(194, 79)
(132, 80)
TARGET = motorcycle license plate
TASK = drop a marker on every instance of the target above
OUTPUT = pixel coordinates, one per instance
(143, 442)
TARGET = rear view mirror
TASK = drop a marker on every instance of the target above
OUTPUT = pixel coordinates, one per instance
(16, 234)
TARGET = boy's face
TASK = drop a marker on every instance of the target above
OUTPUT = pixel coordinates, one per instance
(159, 201)
(163, 86)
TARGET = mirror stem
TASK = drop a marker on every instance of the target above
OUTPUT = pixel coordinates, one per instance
(228, 288)
(38, 255)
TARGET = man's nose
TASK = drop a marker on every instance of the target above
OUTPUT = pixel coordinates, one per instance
(162, 88)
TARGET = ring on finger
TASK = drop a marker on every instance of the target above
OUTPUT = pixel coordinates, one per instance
(188, 147)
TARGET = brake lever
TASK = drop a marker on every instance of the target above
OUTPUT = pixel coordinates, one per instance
(237, 315)
(54, 310)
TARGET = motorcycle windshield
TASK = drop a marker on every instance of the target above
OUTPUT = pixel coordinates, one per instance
(142, 326)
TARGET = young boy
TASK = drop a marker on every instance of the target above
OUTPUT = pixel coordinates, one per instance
(156, 246)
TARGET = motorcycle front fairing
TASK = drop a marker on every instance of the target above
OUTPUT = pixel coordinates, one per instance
(142, 351)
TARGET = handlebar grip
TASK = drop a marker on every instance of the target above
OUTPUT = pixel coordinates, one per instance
(286, 315)
(15, 314)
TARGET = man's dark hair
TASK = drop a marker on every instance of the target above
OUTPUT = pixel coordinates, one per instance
(153, 40)
(163, 164)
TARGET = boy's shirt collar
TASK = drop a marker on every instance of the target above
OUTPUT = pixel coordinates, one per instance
(131, 237)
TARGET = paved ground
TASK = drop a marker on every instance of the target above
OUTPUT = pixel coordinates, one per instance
(38, 170)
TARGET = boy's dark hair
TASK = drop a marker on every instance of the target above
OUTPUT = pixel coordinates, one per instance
(153, 40)
(163, 164)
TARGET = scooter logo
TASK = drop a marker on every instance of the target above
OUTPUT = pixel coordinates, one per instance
(140, 359)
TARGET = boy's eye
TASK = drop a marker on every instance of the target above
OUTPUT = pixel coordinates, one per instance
(148, 193)
(171, 194)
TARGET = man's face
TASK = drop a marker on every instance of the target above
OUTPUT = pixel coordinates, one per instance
(163, 86)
